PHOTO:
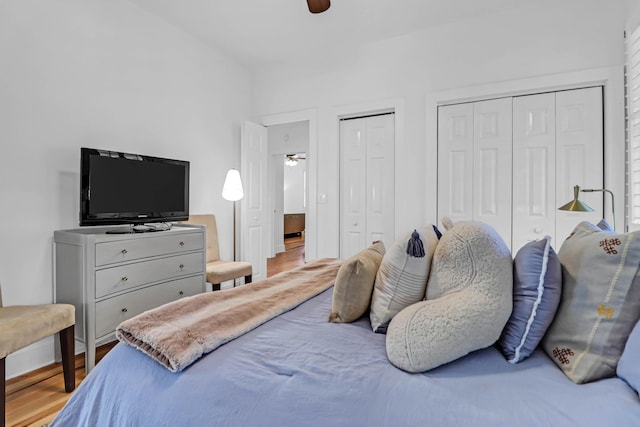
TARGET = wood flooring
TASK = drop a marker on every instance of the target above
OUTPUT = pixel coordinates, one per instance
(34, 399)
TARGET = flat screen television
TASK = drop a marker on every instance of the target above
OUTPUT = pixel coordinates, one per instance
(124, 188)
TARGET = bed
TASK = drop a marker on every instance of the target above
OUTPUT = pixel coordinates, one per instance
(297, 369)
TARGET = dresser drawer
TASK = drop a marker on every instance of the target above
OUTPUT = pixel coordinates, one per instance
(110, 312)
(132, 249)
(128, 276)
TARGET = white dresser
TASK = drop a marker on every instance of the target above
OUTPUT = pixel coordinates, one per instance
(113, 277)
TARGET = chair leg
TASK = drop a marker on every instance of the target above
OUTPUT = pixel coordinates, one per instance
(247, 279)
(67, 347)
(215, 286)
(4, 397)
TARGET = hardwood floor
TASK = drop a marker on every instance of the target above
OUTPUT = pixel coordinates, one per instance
(292, 257)
(34, 399)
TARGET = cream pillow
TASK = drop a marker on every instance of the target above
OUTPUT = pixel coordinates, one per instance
(469, 300)
(600, 302)
(354, 284)
(402, 277)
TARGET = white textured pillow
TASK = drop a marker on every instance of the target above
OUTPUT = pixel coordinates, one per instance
(402, 278)
(469, 299)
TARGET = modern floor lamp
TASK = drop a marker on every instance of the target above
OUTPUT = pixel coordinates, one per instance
(232, 191)
(578, 206)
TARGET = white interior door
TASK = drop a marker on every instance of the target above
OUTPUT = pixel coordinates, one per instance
(534, 142)
(380, 184)
(353, 176)
(255, 205)
(367, 186)
(455, 162)
(492, 164)
(579, 155)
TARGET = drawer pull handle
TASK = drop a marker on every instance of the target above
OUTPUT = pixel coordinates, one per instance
(181, 266)
(124, 310)
(124, 278)
(181, 243)
(181, 293)
(124, 251)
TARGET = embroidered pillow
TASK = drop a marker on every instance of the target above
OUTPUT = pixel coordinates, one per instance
(354, 284)
(600, 302)
(537, 285)
(628, 367)
(402, 277)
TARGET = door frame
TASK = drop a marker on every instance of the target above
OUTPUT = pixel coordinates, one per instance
(311, 231)
(611, 78)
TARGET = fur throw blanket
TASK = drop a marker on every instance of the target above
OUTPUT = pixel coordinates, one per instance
(179, 333)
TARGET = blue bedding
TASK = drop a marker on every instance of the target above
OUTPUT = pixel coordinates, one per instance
(300, 370)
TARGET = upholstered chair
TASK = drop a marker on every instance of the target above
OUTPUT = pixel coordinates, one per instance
(218, 270)
(22, 325)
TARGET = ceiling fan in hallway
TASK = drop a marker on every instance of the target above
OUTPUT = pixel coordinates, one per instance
(318, 6)
(292, 159)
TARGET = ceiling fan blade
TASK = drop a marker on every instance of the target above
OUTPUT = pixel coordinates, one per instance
(318, 6)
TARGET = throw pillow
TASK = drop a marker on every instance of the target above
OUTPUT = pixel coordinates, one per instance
(402, 277)
(537, 286)
(600, 302)
(354, 284)
(469, 299)
(628, 367)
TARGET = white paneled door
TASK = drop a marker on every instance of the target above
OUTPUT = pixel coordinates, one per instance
(579, 155)
(255, 231)
(455, 162)
(474, 153)
(367, 200)
(511, 162)
(491, 160)
(534, 177)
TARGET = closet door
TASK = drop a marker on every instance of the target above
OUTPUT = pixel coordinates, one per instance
(353, 176)
(534, 142)
(474, 163)
(579, 156)
(455, 162)
(492, 165)
(380, 183)
(367, 186)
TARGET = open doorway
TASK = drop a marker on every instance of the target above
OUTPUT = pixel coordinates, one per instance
(288, 145)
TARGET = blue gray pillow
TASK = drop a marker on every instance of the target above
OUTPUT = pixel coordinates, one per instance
(537, 287)
(628, 366)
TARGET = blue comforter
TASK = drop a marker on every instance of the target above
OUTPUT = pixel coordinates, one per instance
(300, 370)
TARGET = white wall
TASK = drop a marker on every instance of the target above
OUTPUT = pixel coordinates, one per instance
(294, 180)
(102, 74)
(545, 37)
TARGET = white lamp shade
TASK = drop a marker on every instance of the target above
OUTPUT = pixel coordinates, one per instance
(232, 189)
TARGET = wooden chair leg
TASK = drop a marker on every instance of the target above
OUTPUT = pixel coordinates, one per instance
(247, 279)
(67, 348)
(215, 286)
(4, 397)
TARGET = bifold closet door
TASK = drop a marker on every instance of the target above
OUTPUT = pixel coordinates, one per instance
(557, 143)
(534, 168)
(474, 163)
(367, 200)
(579, 156)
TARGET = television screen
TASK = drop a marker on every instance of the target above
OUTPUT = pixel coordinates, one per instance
(123, 188)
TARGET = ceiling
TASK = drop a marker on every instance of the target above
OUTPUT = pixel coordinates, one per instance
(258, 32)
